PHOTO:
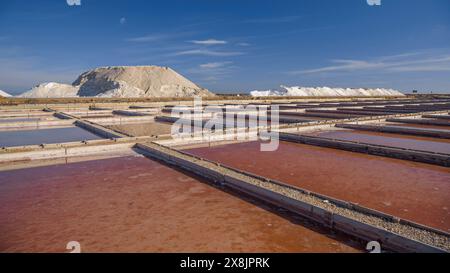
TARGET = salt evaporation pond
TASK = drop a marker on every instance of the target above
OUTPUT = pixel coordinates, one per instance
(46, 136)
(410, 190)
(134, 204)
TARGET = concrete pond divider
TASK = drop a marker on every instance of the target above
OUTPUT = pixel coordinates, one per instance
(393, 233)
(351, 112)
(66, 150)
(384, 110)
(120, 120)
(88, 112)
(62, 115)
(304, 126)
(359, 120)
(99, 130)
(398, 130)
(132, 113)
(422, 108)
(326, 115)
(26, 114)
(421, 121)
(30, 125)
(446, 117)
(107, 120)
(372, 149)
(145, 107)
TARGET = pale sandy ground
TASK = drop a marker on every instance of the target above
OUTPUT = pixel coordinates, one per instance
(143, 129)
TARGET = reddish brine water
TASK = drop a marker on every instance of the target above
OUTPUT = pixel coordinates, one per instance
(134, 204)
(414, 191)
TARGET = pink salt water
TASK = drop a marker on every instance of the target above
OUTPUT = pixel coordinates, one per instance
(134, 204)
(414, 191)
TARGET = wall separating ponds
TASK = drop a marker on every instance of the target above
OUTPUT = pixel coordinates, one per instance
(12, 120)
(439, 122)
(439, 159)
(410, 125)
(400, 130)
(391, 140)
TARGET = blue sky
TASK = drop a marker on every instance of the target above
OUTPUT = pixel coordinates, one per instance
(232, 45)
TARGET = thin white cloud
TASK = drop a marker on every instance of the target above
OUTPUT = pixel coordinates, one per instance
(209, 42)
(422, 68)
(211, 79)
(342, 65)
(296, 31)
(155, 37)
(148, 38)
(214, 65)
(212, 72)
(408, 62)
(206, 52)
(243, 44)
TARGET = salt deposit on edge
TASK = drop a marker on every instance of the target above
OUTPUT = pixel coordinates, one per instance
(297, 91)
(4, 94)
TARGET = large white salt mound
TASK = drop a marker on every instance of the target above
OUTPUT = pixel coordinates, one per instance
(137, 81)
(120, 89)
(297, 91)
(122, 82)
(51, 90)
(4, 94)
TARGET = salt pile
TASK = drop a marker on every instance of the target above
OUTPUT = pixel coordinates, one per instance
(122, 82)
(137, 81)
(297, 91)
(51, 90)
(4, 94)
